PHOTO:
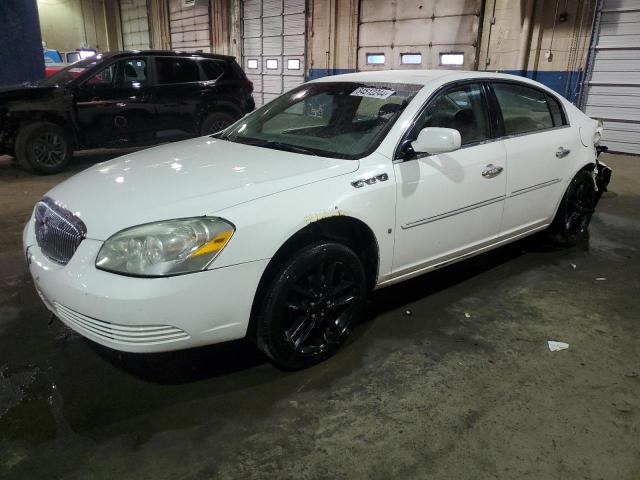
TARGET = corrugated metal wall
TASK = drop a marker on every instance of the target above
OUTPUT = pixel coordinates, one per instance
(135, 24)
(273, 38)
(189, 27)
(424, 28)
(613, 79)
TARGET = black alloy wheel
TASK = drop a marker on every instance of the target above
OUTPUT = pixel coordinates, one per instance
(48, 149)
(318, 309)
(312, 306)
(579, 209)
(43, 147)
(572, 219)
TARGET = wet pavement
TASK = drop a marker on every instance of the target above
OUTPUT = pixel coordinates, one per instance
(450, 376)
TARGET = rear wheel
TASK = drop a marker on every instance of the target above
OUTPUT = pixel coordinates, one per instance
(216, 121)
(43, 147)
(571, 222)
(311, 306)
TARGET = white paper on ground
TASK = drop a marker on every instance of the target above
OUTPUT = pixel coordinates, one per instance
(555, 346)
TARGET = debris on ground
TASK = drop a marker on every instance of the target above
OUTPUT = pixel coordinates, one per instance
(408, 313)
(468, 315)
(574, 266)
(556, 346)
(600, 279)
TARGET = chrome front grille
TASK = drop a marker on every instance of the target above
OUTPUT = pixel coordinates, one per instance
(58, 231)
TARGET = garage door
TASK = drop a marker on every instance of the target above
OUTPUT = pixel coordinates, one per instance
(613, 79)
(273, 45)
(189, 27)
(135, 24)
(403, 34)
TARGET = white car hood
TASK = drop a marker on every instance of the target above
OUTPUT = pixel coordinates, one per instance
(185, 179)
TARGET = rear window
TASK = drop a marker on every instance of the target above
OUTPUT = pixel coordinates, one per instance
(177, 70)
(556, 112)
(212, 69)
(524, 109)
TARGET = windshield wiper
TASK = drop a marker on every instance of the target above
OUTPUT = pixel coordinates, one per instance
(259, 142)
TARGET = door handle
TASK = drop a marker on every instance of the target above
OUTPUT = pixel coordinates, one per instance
(562, 152)
(491, 171)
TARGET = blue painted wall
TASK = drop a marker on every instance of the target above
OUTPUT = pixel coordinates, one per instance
(566, 83)
(323, 72)
(21, 57)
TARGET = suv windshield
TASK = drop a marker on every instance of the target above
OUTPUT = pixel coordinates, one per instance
(71, 72)
(333, 119)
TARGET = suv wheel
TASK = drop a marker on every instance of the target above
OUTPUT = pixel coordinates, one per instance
(216, 121)
(311, 305)
(43, 147)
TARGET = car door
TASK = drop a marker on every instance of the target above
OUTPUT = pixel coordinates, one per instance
(449, 204)
(178, 93)
(539, 147)
(113, 106)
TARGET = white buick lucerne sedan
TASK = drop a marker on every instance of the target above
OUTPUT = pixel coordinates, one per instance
(277, 227)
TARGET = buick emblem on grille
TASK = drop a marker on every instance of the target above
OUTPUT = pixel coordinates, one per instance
(58, 231)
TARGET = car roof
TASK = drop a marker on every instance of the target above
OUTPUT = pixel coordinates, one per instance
(424, 77)
(168, 53)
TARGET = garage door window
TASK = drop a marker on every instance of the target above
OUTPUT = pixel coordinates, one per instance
(411, 59)
(524, 109)
(177, 70)
(452, 59)
(375, 58)
(293, 64)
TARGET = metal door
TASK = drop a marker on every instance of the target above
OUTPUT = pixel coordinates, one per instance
(135, 24)
(273, 41)
(189, 27)
(612, 87)
(418, 34)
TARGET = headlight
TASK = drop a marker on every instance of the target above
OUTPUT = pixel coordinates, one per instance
(165, 248)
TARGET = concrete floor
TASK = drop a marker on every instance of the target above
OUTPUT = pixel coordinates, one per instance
(464, 388)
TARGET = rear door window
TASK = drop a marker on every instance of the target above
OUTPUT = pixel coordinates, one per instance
(177, 70)
(212, 69)
(556, 112)
(524, 109)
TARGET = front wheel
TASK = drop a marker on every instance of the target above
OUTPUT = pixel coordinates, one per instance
(43, 147)
(311, 305)
(571, 222)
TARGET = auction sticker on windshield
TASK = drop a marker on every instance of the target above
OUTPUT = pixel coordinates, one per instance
(372, 92)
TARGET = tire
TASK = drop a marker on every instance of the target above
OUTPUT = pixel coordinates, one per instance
(311, 305)
(571, 222)
(43, 148)
(216, 121)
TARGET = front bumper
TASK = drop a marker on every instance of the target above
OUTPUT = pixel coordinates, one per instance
(145, 314)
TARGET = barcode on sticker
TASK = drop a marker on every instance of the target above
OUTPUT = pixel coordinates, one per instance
(372, 92)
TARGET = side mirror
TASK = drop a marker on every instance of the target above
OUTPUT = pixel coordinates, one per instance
(434, 140)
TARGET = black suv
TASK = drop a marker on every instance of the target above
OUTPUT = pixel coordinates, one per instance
(121, 99)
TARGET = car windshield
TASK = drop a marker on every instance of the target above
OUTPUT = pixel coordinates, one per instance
(71, 72)
(331, 119)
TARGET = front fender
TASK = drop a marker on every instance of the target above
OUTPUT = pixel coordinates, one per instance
(265, 224)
